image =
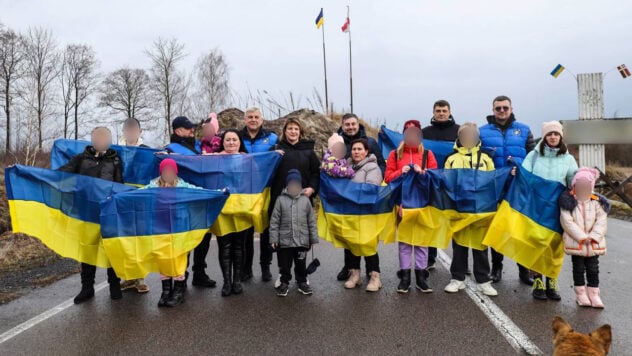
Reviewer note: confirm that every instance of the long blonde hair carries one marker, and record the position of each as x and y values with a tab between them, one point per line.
163	184
400	149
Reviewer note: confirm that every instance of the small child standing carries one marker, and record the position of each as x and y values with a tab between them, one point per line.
334	162
583	216
292	233
211	140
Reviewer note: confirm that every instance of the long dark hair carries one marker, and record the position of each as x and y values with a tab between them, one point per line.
562	148
242	147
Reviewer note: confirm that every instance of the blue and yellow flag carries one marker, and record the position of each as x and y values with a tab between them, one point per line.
356	215
60	209
248	177
320	19
526	227
388	140
557	70
139	165
449	204
152	230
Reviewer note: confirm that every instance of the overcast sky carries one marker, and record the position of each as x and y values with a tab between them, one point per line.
406	54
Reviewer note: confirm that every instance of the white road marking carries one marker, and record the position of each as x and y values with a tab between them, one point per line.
507	328
17	330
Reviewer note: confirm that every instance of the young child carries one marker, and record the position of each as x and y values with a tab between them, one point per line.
293	232
100	161
411	156
173	288
583	216
334	162
468	155
211	141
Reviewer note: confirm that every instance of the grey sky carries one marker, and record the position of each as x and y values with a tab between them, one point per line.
406	53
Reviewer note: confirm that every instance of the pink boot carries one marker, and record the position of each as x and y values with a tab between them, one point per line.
581	297
595	299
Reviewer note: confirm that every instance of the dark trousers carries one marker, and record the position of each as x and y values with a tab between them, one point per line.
459	263
286	256
88	273
497	262
586	265
432	255
265	253
372	263
199	254
230	255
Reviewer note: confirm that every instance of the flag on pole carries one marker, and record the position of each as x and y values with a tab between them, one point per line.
624	71
347	24
558	70
319	19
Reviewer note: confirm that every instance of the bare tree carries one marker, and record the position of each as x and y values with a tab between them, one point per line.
41	69
167	82
11	69
79	67
126	91
212	73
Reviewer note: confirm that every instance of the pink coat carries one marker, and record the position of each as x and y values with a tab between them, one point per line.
584	224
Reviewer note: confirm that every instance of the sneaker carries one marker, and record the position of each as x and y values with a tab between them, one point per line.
539	290
305	288
553	289
277	283
431	266
282	290
454	286
487	289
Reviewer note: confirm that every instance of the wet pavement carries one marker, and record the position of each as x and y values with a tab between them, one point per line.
332	321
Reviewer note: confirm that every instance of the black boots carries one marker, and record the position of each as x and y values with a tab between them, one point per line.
201	279
404	281
167	288
421	278
497	273
238	263
231	259
525	275
172	293
266	276
552	289
87	292
343	274
223	242
87	284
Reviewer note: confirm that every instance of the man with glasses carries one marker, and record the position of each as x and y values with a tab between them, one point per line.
257	139
506	139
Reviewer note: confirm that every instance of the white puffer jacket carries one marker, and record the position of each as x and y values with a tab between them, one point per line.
585	224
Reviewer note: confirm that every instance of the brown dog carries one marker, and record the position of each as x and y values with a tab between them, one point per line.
568	342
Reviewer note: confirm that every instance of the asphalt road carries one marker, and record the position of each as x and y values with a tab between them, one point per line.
332	321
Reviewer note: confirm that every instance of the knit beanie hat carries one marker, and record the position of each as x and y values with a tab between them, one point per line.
334	139
412	123
293	175
586	174
552	126
168	163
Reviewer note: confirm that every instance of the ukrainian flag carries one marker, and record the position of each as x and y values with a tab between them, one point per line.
449	204
320	19
557	70
388	140
152	230
60	209
526	227
356	215
139	166
248	178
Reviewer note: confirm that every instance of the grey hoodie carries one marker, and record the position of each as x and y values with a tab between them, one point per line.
293	223
367	171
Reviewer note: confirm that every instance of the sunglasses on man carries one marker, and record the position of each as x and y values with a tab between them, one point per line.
502	108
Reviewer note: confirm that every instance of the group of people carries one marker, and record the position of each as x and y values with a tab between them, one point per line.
351	154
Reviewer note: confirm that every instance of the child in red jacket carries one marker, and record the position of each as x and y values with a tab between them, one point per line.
411	155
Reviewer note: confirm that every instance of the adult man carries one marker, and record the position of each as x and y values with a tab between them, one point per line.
131	133
183	142
350	130
257	139
506	139
442	128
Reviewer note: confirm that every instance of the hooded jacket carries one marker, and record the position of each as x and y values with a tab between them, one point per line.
299	156
292	223
441	130
584	223
410	156
367	171
514	139
184	145
374	148
551	166
107	166
264	141
464	157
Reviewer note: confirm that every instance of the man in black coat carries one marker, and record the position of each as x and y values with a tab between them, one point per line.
351	129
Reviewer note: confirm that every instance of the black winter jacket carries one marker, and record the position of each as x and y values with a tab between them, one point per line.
107	166
300	156
441	130
373	146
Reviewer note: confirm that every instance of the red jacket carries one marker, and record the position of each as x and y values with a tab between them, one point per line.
411	155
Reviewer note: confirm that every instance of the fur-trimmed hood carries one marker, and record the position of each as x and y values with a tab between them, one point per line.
568	202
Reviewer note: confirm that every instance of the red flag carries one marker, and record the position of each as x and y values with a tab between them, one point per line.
347	24
624	71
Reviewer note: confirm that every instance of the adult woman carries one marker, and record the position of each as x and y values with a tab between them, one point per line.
550	160
366	171
231	246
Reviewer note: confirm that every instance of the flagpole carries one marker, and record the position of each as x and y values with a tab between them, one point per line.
325	69
350	61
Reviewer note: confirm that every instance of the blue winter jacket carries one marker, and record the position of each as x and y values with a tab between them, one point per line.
513	140
184	146
263	142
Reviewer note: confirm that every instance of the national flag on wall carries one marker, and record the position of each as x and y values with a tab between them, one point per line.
624	71
347	25
320	19
557	70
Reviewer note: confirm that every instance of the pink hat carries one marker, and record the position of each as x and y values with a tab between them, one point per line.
212	120
168	163
412	123
334	139
586	174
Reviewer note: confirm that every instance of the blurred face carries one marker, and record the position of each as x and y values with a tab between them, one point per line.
468	138
292	132
231	142
412	137
502	110
351	126
208	131
583	190
184	132
553	139
358	152
131	134
294	188
101	140
168	175
253	121
441	113
339	150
